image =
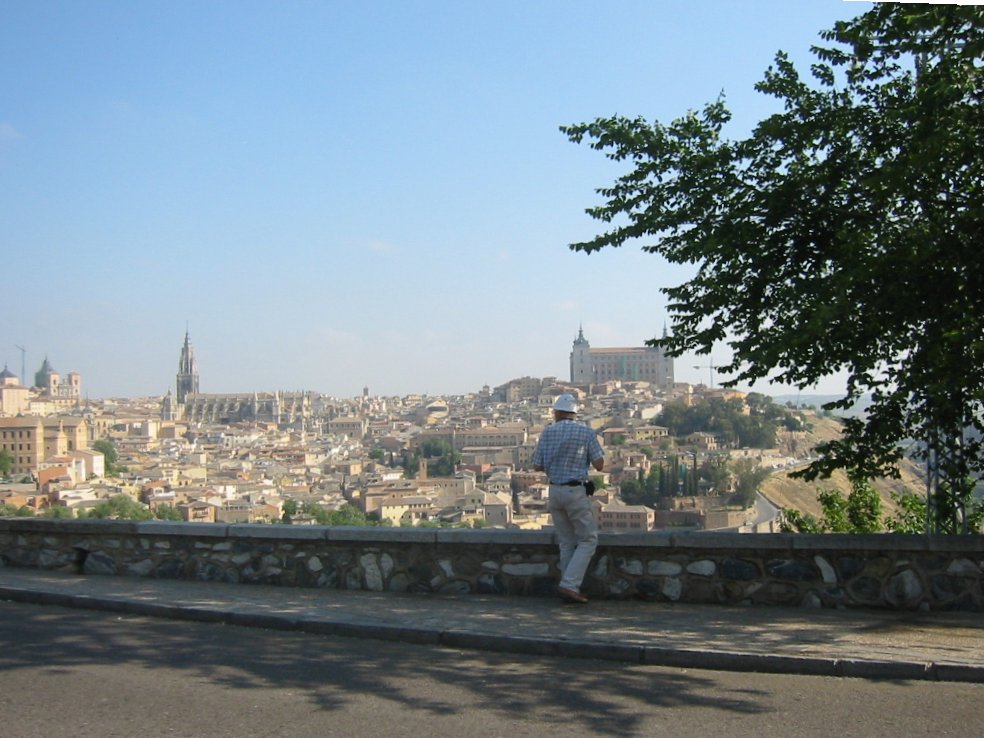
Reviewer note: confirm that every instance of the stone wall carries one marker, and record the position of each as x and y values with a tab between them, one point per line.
882	571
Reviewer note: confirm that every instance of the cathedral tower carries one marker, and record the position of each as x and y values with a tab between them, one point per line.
187	380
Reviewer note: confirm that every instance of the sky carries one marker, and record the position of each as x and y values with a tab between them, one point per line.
332	195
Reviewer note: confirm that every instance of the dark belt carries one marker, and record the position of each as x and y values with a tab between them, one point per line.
572	483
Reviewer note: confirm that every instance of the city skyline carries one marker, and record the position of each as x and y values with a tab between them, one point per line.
328	198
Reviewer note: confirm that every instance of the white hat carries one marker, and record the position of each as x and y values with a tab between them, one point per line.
565	404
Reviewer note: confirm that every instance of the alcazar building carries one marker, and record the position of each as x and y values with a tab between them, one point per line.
642	364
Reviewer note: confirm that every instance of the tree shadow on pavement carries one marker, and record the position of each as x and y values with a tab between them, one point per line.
332	673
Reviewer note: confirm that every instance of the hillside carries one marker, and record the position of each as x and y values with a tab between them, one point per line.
800	495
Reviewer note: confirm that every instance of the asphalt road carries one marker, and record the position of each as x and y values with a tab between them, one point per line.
85	673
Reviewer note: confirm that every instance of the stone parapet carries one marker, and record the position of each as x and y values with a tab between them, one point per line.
873	571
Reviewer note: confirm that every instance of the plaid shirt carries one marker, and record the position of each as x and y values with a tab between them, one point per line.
566	450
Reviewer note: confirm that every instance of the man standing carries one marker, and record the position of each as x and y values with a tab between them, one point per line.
566	451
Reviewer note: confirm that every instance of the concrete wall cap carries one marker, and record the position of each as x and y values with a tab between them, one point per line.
854	542
187	530
500	536
279	532
967	544
726	541
655	539
88	527
372	535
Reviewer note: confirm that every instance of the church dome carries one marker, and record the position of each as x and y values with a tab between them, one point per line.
42	374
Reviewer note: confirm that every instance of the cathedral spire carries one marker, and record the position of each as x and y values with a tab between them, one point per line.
187	379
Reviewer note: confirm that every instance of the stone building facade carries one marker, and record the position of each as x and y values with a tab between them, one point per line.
32	439
638	364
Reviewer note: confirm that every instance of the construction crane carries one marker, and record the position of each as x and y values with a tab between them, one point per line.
708	366
23	364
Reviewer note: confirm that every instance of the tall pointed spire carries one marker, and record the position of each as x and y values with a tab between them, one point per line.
187	379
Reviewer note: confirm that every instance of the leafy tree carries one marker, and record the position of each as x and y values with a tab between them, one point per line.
911	517
656	485
748	479
58	511
859	512
954	509
669	478
691	481
434	447
168	512
108	449
632	492
375	519
728	419
6	462
794	521
865	512
320	514
442	458
410	462
677	478
834	507
663	486
377	454
10	511
348	515
717	473
842	235
794	423
120	507
443	466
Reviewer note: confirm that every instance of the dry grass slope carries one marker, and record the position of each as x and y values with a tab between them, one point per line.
800	495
